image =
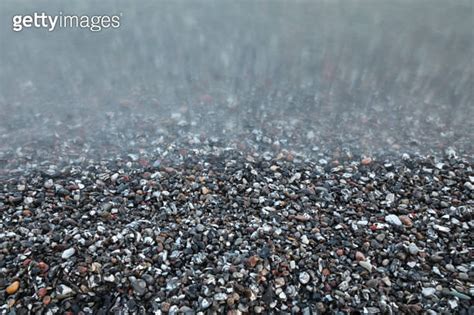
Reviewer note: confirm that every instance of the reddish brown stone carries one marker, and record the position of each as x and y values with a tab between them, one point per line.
359	256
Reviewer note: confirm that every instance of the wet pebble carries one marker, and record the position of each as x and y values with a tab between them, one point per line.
68	253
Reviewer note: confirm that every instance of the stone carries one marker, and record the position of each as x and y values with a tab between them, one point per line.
68	253
366	265
413	249
428	291
359	256
13	287
393	219
304	277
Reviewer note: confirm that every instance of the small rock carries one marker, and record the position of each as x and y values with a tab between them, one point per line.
302	218
463	276
460	295
47	300
380	237
440	228
165	307
68	253
200	228
359	256
205	303
413	249
304	277
436	258
12	288
406	220
372	283
253	260
366	265
469	186
63	291
428	291
366	161
138	285
114	177
48	184
386	281
343	286
220	297
390	198
43	266
282	296
453	304
42	292
411	264
393	219
279	282
304	240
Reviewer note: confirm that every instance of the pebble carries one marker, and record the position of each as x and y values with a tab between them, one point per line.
280	282
440	228
372	283
343	286
42	292
406	220
386	281
138	285
366	161
366	265
13	287
220	297
411	264
46	300
463	276
282	296
428	291
48	184
68	253
469	185
205	304
304	240
304	277
393	219
460	295
63	291
413	249
359	256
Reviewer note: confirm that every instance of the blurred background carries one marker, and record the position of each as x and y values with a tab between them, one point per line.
322	63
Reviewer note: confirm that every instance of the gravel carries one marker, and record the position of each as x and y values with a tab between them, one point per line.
218	229
180	215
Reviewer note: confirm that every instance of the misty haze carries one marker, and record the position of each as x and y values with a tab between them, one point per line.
237	157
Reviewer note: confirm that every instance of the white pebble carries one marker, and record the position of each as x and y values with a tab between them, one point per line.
393	219
68	253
